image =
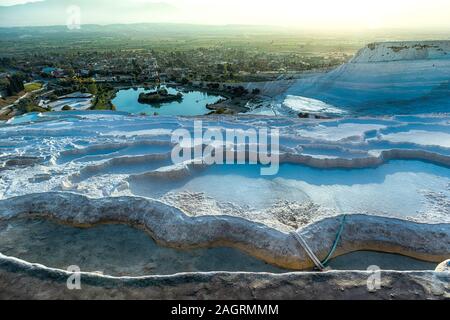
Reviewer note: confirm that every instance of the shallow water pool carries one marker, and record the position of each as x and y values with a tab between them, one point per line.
193	103
117	250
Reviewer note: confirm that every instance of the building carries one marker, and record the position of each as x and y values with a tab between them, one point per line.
53	72
84	73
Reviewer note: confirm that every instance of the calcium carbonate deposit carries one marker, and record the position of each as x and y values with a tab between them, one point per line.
364	157
328	167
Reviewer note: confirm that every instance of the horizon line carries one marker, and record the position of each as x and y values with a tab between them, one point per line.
284	27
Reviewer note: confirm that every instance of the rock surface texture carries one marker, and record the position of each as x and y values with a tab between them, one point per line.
171	227
20	280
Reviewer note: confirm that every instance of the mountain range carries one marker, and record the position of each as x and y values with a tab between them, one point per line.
55	12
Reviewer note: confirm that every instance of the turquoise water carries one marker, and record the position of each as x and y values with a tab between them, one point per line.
193	103
29	117
398	188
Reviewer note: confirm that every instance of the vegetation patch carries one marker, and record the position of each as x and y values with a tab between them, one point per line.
28	105
104	94
159	96
32	86
397	49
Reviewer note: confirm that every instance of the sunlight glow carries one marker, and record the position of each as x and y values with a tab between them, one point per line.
322	14
317	14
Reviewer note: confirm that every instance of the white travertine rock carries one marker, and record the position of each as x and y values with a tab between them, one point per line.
444	266
169	226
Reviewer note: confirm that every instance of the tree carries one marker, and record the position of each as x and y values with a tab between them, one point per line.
15	84
28	105
92	89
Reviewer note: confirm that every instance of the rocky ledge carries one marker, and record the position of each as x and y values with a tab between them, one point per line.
171	227
21	280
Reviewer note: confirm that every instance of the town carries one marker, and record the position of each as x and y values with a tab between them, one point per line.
64	74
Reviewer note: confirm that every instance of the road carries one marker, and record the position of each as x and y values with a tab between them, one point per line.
8	108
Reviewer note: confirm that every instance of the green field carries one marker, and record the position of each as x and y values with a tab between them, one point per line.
33	86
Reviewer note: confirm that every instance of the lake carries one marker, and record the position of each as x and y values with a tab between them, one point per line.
193	103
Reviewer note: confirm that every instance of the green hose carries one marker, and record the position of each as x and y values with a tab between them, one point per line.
336	242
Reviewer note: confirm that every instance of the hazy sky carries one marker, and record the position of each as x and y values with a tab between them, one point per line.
313	14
